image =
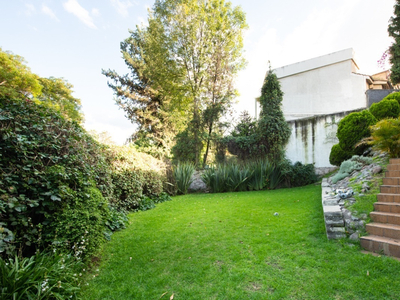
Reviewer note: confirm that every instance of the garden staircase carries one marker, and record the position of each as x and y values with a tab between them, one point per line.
384	231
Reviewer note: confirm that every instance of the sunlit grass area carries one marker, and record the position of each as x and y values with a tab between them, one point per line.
249	245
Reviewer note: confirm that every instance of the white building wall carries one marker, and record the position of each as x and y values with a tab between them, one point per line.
317	94
322	85
312	139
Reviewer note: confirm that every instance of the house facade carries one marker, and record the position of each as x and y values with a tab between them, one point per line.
318	93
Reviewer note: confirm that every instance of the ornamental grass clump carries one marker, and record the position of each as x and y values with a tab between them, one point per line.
183	173
45	275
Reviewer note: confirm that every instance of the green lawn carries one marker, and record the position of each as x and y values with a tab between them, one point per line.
232	246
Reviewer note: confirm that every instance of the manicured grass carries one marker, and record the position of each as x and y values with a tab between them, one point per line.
232	246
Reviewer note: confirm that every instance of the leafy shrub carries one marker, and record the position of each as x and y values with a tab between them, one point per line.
42	276
349	166
393	96
49	167
183	173
298	174
117	219
385	109
353	128
79	225
338	155
385	136
128	189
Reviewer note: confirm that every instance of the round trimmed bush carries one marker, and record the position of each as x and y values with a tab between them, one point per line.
353	128
338	155
393	96
388	108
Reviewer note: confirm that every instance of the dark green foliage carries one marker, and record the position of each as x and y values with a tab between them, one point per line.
187	144
338	155
132	186
393	96
273	131
394	49
43	276
79	225
50	171
267	137
258	175
298	174
385	109
117	219
242	140
353	128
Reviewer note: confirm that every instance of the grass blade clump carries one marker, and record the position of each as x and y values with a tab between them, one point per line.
237	177
183	173
42	276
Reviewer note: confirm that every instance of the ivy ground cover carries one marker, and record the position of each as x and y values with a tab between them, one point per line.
248	245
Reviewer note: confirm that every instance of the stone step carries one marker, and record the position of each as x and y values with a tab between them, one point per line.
387	207
385	217
393	167
392	174
387	230
390	189
391	181
394	161
379	244
388	198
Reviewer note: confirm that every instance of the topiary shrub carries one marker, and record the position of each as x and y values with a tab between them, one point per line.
338	155
385	109
393	96
353	128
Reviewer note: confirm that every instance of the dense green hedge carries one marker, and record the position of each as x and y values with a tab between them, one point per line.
388	108
54	181
60	188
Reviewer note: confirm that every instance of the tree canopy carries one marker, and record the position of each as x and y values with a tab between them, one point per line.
182	67
18	82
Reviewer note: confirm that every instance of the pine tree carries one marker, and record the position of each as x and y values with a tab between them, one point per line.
394	49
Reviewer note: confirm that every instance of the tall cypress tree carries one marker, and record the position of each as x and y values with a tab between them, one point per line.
394	49
273	131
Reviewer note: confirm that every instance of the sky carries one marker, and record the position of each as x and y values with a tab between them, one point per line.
76	39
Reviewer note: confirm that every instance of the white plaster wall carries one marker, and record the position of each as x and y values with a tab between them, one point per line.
324	90
312	139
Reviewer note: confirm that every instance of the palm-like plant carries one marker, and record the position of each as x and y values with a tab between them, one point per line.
385	136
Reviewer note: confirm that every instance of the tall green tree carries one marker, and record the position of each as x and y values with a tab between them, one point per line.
182	67
273	130
394	49
267	137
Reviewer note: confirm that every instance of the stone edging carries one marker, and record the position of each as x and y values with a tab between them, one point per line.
333	215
